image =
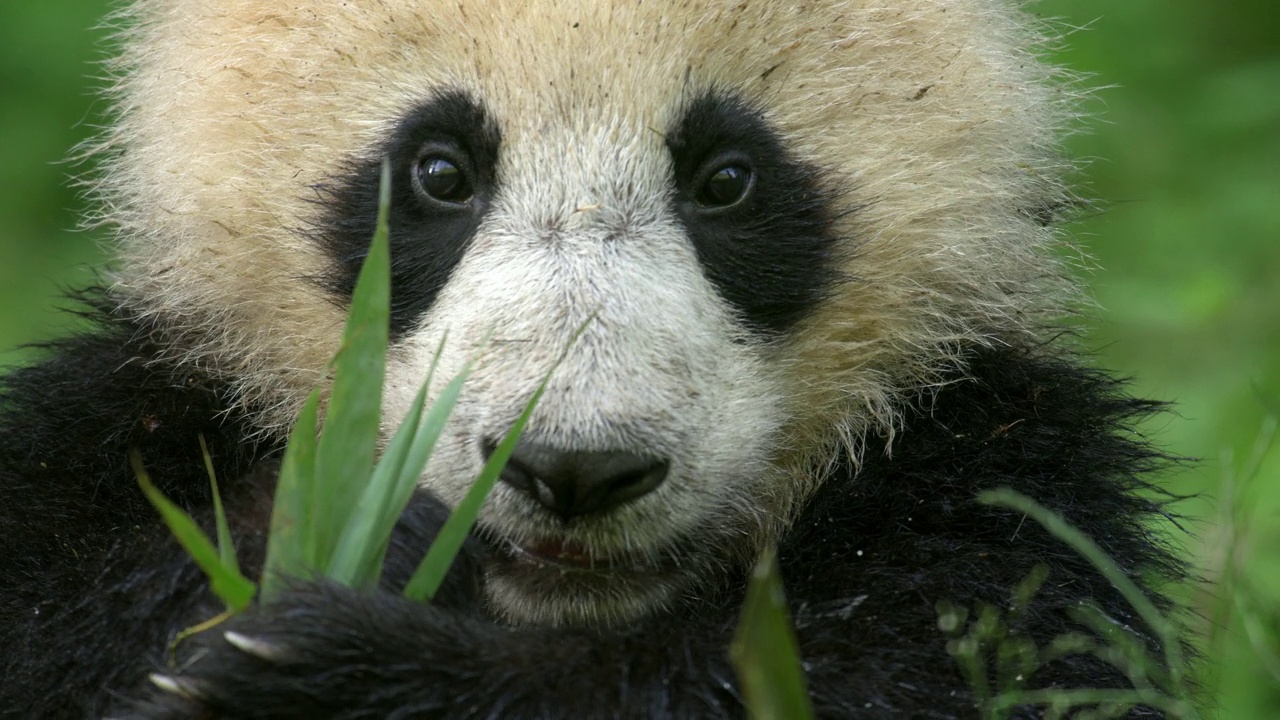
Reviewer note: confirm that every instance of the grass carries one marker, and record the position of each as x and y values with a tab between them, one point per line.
997	661
765	652
1242	603
1244	624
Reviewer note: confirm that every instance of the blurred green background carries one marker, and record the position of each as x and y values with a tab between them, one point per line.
1185	146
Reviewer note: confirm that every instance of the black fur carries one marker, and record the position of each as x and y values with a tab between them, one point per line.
86	572
94	587
771	255
428	239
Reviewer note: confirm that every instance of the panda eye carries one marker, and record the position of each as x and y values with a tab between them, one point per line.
725	186
440	179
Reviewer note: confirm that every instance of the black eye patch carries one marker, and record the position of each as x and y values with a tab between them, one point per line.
443	154
759	219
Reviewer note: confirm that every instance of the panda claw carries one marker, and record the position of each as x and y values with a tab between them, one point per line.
176	686
257	647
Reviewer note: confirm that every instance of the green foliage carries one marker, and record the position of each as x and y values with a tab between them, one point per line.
287	552
226	546
345	452
1166	630
433	568
234	589
362	545
327	521
320	497
1244	609
431	571
765	653
997	661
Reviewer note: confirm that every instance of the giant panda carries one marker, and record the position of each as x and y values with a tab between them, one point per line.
828	306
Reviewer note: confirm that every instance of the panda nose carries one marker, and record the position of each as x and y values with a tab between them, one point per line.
573	483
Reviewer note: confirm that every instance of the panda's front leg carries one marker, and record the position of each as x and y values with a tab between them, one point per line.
325	651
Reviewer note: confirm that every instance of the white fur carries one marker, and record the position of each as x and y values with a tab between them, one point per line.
662	367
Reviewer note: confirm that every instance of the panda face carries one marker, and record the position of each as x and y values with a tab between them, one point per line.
685	254
781	219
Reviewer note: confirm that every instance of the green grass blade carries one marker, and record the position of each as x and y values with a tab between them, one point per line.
361	550
1083	544
1065	699
765	653
357	560
345	455
226	545
288	554
1123	649
227	583
428	433
431	571
424	442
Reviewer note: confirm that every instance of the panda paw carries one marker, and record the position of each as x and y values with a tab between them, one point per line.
212	684
323	651
206	689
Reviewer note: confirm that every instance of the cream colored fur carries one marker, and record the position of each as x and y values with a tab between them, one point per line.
930	116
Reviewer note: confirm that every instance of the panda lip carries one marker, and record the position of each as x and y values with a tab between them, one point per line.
565	554
561	552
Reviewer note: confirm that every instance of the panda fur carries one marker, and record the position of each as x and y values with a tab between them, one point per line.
836	363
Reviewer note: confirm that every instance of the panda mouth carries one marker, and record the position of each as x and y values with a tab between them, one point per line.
567	555
562	553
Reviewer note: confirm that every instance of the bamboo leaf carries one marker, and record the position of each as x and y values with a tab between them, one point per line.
357	558
227	583
429	431
363	546
226	545
765	653
431	571
288	554
345	455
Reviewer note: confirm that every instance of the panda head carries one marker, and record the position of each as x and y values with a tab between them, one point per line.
776	224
